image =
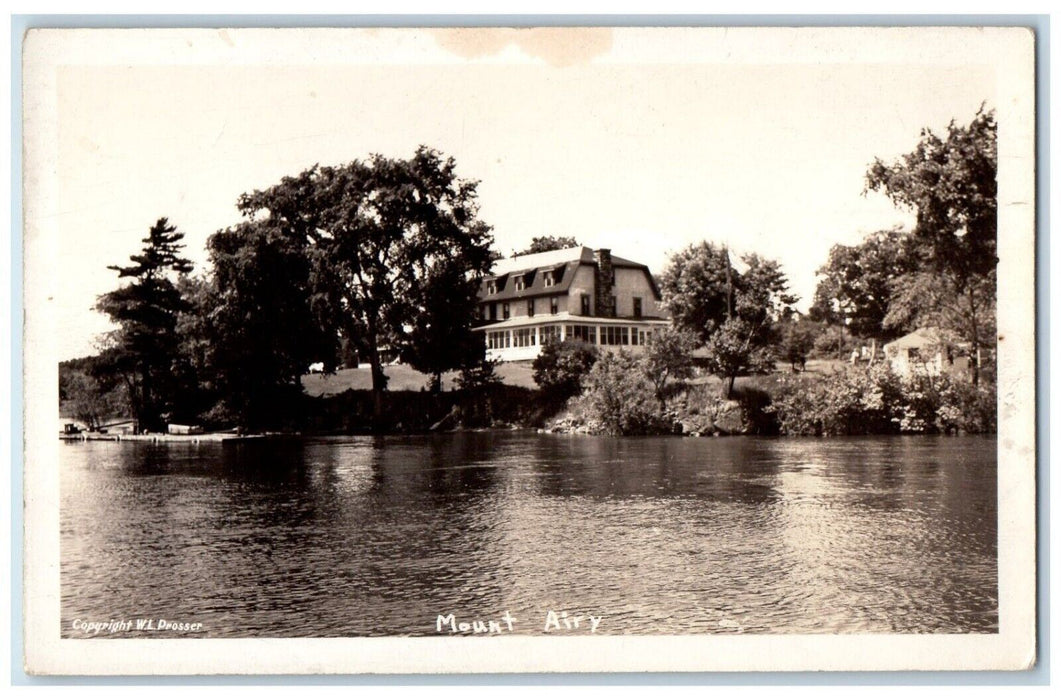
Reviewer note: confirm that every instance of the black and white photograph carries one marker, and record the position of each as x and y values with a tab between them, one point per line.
529	349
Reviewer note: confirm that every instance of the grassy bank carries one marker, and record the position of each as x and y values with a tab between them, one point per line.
405	378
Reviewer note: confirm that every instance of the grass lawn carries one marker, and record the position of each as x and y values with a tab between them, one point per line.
405	378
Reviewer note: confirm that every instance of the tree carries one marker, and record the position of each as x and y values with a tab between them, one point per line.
951	185
927	299
543	244
950	182
88	399
744	342
857	281
561	365
733	313
797	341
668	356
266	324
146	311
377	232
442	338
696	288
195	388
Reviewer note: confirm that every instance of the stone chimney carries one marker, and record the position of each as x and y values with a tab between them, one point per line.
604	283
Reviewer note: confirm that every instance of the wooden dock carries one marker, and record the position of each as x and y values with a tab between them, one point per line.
160	437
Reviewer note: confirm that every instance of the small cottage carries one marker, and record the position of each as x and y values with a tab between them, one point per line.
926	351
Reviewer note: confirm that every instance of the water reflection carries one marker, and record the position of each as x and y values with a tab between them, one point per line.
377	536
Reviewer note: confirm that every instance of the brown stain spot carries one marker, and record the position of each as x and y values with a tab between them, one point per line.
226	38
1001	338
557	46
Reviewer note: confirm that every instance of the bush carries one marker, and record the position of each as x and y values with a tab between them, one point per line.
561	365
827	340
618	400
857	401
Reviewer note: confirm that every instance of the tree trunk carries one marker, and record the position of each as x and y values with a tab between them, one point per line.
379	381
974	359
728	384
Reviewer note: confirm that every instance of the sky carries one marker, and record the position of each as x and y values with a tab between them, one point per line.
574	138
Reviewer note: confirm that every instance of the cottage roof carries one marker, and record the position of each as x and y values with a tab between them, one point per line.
922	337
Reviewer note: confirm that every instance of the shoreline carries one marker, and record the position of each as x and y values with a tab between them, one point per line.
227	438
204	437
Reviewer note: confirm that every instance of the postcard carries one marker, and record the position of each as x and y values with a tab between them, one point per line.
537	349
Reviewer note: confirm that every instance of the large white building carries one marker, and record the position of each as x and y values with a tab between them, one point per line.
578	293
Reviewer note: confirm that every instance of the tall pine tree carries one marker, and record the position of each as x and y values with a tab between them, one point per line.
146	311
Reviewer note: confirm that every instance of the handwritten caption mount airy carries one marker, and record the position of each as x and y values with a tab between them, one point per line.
553	621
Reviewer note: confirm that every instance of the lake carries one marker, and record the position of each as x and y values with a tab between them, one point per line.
369	536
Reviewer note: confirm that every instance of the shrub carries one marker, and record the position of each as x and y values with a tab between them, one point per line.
561	365
857	401
618	400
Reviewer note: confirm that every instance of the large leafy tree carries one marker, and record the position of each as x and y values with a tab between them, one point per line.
146	311
856	282
950	182
376	233
697	288
543	244
264	322
733	314
744	343
441	337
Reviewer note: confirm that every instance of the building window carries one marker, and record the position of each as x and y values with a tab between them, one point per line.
519	283
505	311
637	307
491	287
524	337
614	306
633	336
493	311
554	305
641	337
587	334
614	335
549	333
585	304
530	307
497	340
549	281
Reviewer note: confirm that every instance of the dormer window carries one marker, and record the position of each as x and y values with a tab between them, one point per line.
520	283
491	287
549	281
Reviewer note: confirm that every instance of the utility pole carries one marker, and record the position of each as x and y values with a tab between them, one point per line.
729	283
